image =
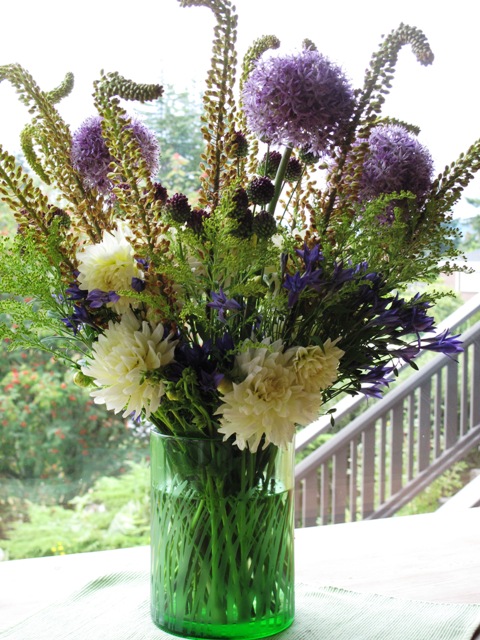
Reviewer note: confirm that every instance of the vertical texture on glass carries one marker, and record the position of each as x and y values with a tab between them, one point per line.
222	539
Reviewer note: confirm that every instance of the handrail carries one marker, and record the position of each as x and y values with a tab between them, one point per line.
395	448
349	404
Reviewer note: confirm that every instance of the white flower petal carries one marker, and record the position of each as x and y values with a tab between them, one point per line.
120	359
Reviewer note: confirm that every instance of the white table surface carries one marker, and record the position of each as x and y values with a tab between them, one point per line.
430	557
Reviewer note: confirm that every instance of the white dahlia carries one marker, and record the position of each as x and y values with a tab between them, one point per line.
267	402
120	359
316	368
109	265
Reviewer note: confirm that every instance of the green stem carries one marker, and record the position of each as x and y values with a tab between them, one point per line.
279	178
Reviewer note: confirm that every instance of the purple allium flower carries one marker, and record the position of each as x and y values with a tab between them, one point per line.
294	170
238	145
161	193
223	304
395	162
179	208
244	228
260	190
196	220
300	100
91	158
264	225
269	164
307	157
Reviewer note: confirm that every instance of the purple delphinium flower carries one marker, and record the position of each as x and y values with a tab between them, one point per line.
324	284
97	298
404	317
138	285
310	256
376	377
300	100
75	293
406	352
395	162
223	304
414	317
299	282
201	360
79	317
443	343
91	158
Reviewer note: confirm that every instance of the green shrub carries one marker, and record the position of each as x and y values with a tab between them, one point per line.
113	514
54	441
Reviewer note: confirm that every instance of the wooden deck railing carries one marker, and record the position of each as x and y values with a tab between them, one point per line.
399	445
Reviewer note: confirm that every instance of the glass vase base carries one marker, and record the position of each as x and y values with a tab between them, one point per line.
239	631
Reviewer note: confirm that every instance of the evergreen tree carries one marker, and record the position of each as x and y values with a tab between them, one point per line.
176	121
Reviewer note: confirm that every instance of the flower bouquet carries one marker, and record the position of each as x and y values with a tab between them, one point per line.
228	319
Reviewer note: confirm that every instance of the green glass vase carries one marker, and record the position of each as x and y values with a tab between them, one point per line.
222	538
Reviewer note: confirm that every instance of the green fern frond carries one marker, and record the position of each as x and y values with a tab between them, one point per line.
28	148
219	102
19	192
28	133
309	45
449	185
379	76
63	90
113	84
258	48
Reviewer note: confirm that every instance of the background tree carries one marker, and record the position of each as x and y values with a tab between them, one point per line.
176	121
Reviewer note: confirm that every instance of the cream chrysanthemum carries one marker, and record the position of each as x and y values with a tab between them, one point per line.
268	402
120	359
316	368
109	266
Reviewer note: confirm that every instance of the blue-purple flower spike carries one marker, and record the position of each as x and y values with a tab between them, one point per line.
444	343
223	304
97	298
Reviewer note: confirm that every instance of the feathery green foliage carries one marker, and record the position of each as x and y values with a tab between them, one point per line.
304	268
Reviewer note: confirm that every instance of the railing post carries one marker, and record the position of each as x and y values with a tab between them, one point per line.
368	470
475	385
451	405
424	424
339	486
396	448
310	499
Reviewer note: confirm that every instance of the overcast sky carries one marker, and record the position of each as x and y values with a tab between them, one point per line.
158	41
